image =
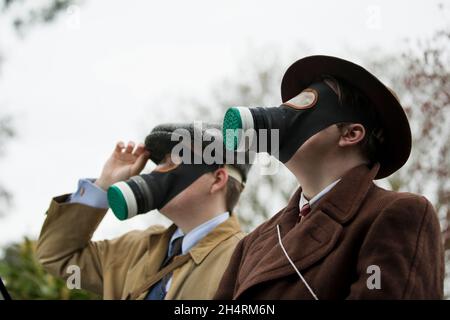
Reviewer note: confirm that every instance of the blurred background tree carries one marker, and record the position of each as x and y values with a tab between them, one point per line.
24	276
25	14
6	133
423	84
22	15
26	279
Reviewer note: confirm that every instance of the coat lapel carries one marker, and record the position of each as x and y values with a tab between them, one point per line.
305	244
219	234
308	242
157	250
150	263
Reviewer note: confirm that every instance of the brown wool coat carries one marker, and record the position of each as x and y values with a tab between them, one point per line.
125	267
354	226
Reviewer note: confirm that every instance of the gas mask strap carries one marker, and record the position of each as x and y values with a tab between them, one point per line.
293	265
234	173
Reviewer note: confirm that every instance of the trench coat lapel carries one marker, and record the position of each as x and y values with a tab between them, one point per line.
150	263
157	250
308	242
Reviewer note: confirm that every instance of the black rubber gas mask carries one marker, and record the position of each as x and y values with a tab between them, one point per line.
282	130
145	192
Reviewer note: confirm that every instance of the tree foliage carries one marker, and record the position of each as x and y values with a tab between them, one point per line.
23	15
27	13
26	279
6	133
421	77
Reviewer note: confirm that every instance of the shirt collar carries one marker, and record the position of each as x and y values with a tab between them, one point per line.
317	197
198	233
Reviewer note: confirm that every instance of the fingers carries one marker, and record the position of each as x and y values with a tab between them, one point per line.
119	147
142	156
131	149
140	149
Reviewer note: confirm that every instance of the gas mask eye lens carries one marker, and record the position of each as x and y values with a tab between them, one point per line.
305	100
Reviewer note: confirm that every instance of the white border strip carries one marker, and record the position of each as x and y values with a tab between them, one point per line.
247	123
130	199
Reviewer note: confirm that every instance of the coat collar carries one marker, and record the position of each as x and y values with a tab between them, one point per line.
315	237
343	201
219	234
160	240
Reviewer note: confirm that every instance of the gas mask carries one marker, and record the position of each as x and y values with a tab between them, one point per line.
293	123
145	192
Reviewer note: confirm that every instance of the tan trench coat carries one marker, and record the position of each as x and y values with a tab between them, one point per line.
122	268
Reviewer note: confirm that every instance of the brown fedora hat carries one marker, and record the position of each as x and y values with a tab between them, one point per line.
396	145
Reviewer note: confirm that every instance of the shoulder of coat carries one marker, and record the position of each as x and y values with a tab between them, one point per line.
394	198
231	242
239	236
155	229
404	203
140	235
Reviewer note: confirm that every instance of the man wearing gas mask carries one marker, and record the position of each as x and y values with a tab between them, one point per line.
184	261
340	236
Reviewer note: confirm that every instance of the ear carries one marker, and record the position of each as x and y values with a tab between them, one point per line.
351	134
220	177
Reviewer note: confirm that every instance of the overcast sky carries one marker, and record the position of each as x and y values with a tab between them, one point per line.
76	86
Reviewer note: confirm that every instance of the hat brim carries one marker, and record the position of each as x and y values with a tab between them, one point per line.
396	147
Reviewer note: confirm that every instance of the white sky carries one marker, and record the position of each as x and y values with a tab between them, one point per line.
75	89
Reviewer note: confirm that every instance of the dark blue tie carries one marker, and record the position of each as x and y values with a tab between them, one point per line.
158	290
